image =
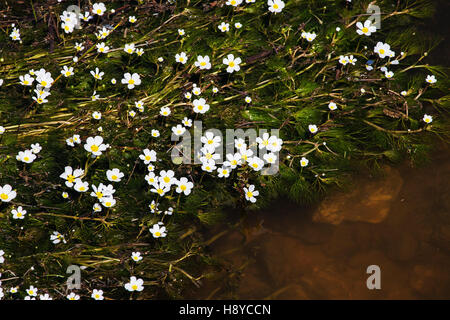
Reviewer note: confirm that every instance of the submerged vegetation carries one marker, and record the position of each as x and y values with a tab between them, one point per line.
87	111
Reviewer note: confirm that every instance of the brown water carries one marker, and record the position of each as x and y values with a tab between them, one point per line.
400	222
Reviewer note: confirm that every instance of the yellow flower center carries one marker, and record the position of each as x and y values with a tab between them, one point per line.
382	51
157	233
183	187
43	83
249	194
160	191
67	73
148	158
166	179
99	11
25	82
19	214
94	148
200	107
365	30
231	64
114	177
26	158
203	63
99	194
39	100
108	203
233	162
131	81
70	178
275	6
134	287
82	188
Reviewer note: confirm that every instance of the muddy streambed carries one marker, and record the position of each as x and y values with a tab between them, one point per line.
399	222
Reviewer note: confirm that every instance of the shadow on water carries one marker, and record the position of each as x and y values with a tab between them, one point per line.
400	222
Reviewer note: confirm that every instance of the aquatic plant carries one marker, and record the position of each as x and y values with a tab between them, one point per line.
90	100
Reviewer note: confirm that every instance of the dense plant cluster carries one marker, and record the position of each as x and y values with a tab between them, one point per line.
87	111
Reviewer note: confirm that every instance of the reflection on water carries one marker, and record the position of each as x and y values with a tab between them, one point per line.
400	222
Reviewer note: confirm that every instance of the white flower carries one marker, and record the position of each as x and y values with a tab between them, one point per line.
65	195
114	175
165	111
233	160
102	191
238	25
215	90
2	259
57	237
310	36
404	93
95	145
132	19
187	122
210	140
86	16
209	165
154	207
184	186
136	256
140	52
148	156
108	202
383	49
200	106
431	79
232	63
131	80
15	34
67	72
97	294
79	46
81	186
427	118
263	141
224	172
179	130
389	74
251	193
188	95
343	60
160	59
96	115
71	175
73	296
275	6
304	162
332	106
166	178
312	128
224	27
352	60
97	207
36	148
99	8
233	3
255	163
26	80
181	32
203	62
2	129
45	297
135	284
169	211
95	96
97	74
196	90
32	291
275	144
155	133
248	99
181	57
44	78
365	29
270	157
158	231
26	156
102	48
113	81
19	213
129	48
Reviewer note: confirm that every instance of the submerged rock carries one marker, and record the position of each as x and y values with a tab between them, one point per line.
371	202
